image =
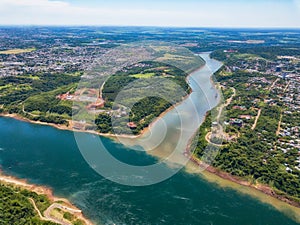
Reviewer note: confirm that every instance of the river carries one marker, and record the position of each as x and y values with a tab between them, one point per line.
47	156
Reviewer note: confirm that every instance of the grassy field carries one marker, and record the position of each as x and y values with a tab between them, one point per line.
143	75
16	51
175	57
31	77
249	56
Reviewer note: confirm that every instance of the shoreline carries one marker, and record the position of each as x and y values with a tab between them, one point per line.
113	136
67	128
265	189
259	192
41	190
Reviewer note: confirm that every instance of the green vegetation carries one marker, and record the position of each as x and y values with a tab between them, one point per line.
41	201
267	53
114	84
47	102
78	222
143	75
68	216
135	82
15	207
255	154
103	122
36	98
271	53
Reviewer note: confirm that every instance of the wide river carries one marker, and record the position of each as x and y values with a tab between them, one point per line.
47	156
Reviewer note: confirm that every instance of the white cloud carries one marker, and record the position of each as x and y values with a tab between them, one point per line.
45	12
34	3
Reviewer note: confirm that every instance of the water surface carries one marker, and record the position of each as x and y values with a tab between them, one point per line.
47	156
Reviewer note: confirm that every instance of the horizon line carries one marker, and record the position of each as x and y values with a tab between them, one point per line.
149	26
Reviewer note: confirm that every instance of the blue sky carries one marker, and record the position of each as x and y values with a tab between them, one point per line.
185	13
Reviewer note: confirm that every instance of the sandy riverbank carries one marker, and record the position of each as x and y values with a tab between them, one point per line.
42	190
260	187
113	136
211	174
63	127
262	192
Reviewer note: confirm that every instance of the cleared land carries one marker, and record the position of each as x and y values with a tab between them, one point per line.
16	51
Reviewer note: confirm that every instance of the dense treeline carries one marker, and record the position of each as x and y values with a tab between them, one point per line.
48	102
269	52
146	109
114	85
148	106
272	52
22	95
142	114
103	122
16	209
254	156
200	143
251	158
219	55
46	82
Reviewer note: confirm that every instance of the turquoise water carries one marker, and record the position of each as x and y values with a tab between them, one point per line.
48	156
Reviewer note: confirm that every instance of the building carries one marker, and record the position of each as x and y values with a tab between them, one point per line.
132	125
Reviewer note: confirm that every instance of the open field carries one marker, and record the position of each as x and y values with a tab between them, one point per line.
17	51
143	75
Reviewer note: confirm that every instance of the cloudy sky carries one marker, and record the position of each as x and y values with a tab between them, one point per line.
186	13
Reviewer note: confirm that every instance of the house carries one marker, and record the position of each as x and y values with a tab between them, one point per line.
243	108
215	124
132	125
65	96
247	117
236	122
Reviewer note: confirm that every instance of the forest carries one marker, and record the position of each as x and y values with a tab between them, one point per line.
35	98
16	209
135	82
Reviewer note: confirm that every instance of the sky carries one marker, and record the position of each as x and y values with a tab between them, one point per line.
178	13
